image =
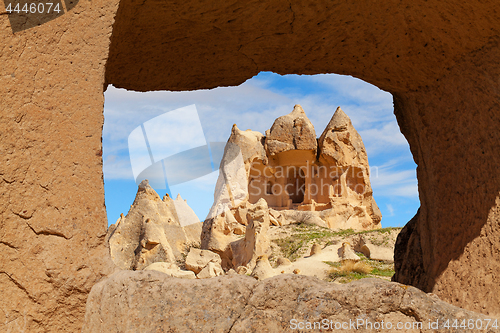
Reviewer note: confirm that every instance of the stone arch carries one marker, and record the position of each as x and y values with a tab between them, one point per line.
437	58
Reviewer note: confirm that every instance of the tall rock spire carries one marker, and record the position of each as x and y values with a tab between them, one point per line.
341	144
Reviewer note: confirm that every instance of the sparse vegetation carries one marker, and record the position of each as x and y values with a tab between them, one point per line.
350	271
295	241
383	272
304	234
360	267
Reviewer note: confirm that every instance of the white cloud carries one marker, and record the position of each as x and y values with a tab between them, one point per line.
117	167
394	179
254	105
390	209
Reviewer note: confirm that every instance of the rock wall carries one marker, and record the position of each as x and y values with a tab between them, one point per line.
438	58
453	246
52	214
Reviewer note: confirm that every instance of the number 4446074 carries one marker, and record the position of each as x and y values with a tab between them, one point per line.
471	324
34	8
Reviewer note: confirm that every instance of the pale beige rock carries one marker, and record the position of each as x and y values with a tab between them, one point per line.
250	144
212	269
198	259
315	265
240	215
193	234
262	269
283	261
297	216
347	253
274	221
239	230
376	252
231	188
255	243
171	270
242	270
153	246
292	131
214	238
240	304
150	232
341	145
185	214
315	249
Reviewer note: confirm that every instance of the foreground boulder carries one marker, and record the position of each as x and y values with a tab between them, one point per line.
149	301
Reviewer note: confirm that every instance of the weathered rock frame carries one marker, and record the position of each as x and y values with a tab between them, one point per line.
437	58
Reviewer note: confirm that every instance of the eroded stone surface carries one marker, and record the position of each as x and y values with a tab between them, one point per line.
151	232
52	214
238	303
197	259
290	132
271	180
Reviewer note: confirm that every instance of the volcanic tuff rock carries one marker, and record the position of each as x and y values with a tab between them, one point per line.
198	259
218	236
262	269
236	303
255	243
284	179
347	253
292	131
171	270
341	144
212	269
150	232
185	214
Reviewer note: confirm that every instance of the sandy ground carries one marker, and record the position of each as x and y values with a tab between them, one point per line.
381	245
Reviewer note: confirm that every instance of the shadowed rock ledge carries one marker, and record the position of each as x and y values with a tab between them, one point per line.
150	301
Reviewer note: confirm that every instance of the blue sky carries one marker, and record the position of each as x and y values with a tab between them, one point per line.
255	105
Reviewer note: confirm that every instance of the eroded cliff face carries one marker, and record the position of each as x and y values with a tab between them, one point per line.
437	58
52	213
453	244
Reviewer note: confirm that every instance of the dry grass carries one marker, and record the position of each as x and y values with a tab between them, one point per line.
360	267
349	271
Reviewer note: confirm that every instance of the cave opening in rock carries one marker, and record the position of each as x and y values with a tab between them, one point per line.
254	105
295	186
